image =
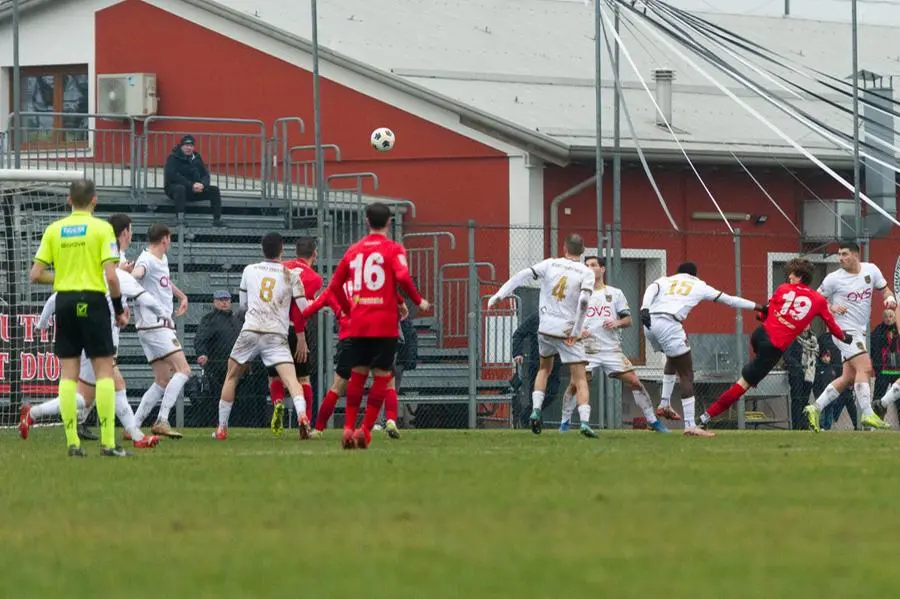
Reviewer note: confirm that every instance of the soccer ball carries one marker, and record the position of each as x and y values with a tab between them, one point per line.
383	139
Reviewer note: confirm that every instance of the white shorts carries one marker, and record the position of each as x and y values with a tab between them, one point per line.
86	371
666	335
856	347
568	354
271	347
159	343
612	362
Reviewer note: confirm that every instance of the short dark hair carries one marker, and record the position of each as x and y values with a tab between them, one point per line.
800	268
574	244
378	215
120	222
272	245
848	245
600	261
157	232
687	268
81	193
306	247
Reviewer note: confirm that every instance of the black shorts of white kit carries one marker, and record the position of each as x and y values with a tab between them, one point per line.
302	369
83	323
375	353
765	359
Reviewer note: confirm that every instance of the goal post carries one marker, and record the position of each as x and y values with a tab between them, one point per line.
29	371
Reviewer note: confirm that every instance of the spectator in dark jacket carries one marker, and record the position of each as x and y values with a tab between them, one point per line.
800	363
186	179
216	334
828	368
407	351
525	351
885	357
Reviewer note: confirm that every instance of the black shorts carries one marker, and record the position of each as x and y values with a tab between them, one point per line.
767	356
375	353
83	323
302	370
342	365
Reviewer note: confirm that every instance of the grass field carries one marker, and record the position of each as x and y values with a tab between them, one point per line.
454	514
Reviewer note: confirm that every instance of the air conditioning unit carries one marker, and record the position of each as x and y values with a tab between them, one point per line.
828	220
127	94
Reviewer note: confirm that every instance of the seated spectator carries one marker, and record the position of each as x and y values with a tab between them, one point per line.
186	179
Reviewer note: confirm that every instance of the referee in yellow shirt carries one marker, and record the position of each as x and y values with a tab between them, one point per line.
83	253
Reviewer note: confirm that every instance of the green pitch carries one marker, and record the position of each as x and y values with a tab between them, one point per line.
454	515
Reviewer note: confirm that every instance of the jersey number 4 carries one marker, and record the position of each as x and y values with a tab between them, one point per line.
266	289
371	273
797	307
559	290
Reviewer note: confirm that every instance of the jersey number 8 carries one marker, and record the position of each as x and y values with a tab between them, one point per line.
266	289
371	273
559	290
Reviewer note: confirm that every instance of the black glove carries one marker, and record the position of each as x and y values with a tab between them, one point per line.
762	312
848	338
645	317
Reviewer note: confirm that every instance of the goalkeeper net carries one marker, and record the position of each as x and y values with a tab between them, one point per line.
29	371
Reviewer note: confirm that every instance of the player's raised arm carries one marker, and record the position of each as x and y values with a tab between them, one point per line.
404	280
738	303
336	285
532	273
317	304
47	313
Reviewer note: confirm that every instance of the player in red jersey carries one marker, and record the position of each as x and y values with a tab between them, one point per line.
342	367
375	266
307	252
789	311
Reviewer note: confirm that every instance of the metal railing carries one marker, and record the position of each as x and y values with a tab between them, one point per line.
453	298
424	264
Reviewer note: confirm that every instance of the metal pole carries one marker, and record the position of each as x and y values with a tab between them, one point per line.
856	174
474	304
179	403
738	324
617	169
787	8
17	88
598	59
317	126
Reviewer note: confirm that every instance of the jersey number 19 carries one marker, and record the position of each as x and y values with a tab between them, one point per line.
797	307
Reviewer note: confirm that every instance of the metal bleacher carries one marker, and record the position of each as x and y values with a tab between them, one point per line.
210	258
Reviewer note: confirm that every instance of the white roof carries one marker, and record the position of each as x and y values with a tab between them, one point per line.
531	62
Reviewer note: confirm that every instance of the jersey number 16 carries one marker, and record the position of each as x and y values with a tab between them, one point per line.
371	273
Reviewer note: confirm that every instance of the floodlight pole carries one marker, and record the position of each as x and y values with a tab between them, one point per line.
16	88
856	171
598	183
617	166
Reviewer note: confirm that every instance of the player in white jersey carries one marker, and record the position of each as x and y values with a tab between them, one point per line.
566	287
267	290
158	340
607	314
666	305
85	394
849	293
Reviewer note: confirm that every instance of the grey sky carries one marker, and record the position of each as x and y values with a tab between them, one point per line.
885	12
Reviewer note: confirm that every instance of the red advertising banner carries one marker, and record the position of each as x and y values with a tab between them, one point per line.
37	370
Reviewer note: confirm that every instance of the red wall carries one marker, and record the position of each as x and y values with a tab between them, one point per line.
449	177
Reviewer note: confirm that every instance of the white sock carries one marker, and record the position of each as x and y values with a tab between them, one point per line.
152	397
173	390
300	406
828	395
668	384
687	404
863	399
584	413
83	410
892	395
643	402
568	406
126	416
537	399
224	412
51	408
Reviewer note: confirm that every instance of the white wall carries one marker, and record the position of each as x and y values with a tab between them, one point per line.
57	33
526	210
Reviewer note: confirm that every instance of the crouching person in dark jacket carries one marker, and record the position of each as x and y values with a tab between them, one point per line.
186	179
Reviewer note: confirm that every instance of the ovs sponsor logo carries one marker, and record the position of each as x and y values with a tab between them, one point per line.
599	312
164	281
860	296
